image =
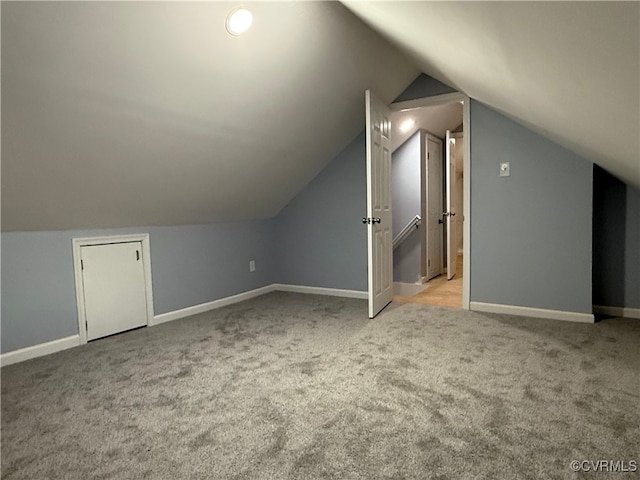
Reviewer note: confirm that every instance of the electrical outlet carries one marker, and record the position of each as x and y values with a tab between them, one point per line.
505	169
252	265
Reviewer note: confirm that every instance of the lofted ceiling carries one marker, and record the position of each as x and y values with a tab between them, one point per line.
568	70
119	114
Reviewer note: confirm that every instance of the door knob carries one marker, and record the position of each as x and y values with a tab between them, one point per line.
375	220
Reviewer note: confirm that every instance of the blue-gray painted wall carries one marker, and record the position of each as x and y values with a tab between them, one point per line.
531	238
406	195
190	265
616	242
424	86
530	232
321	240
632	249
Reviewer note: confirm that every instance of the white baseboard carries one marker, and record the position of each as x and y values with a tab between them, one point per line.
74	341
223	302
532	312
40	350
334	292
405	289
624	312
205	307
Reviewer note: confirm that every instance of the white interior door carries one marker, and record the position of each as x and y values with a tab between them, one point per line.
379	235
114	288
449	215
434	206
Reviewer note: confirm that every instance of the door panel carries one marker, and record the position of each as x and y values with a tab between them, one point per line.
379	235
434	207
114	288
450	184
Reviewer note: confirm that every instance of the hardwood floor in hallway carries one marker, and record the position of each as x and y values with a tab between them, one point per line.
440	291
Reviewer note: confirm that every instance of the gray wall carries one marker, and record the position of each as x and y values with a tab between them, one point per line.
616	242
321	240
424	86
406	200
530	232
190	265
531	238
632	249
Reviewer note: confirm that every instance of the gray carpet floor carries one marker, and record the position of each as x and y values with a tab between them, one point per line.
291	386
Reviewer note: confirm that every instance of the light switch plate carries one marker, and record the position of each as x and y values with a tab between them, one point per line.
505	169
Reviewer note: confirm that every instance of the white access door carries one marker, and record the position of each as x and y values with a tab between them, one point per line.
450	184
114	288
379	235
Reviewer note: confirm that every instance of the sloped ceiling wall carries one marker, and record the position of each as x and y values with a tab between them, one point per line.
568	70
120	114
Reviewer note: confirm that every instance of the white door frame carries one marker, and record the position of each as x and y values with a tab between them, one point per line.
78	243
466	180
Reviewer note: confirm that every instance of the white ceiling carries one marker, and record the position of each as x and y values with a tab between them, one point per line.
568	70
120	114
436	120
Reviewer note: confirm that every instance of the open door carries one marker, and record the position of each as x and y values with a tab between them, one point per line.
378	220
450	185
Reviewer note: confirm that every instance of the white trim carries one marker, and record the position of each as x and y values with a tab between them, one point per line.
40	350
532	312
624	312
240	297
76	340
205	307
334	292
428	101
78	243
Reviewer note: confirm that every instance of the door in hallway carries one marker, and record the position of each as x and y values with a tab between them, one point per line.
449	215
434	206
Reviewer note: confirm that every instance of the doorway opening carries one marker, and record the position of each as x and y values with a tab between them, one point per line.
429	206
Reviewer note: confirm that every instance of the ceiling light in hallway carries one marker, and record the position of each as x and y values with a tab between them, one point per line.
407	125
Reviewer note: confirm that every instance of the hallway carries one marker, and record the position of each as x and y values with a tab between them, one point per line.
440	291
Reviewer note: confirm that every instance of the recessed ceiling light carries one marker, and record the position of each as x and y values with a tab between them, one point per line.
407	125
238	21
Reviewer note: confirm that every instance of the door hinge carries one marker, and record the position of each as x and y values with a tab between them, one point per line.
428	263
81	264
428	155
138	255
